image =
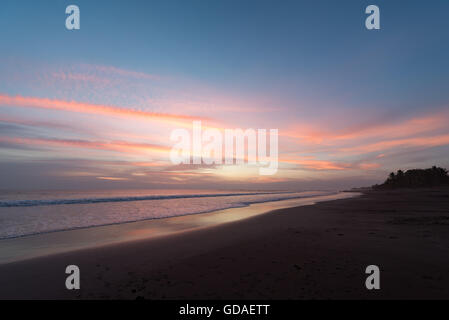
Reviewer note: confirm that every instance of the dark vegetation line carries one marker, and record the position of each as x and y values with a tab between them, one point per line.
416	178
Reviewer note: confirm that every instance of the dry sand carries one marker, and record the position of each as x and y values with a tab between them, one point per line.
312	252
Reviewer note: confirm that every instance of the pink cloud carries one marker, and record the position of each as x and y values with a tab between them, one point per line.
120	146
88	108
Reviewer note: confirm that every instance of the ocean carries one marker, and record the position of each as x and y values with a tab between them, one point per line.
36	212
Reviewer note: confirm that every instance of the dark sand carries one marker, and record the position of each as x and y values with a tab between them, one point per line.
312	252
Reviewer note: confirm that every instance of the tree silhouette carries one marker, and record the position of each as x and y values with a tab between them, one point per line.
416	178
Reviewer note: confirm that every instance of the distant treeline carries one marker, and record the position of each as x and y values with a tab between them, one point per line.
416	178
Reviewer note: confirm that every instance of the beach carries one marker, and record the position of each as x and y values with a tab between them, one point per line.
316	251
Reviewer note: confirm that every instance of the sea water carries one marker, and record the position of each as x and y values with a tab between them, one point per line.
32	212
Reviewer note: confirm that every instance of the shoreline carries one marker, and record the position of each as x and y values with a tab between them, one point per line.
309	252
42	244
169	217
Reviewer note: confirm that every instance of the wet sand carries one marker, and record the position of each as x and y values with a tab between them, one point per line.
311	252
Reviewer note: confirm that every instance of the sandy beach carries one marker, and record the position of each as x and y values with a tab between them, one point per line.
311	252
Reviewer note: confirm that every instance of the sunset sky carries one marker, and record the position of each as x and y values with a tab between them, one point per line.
94	108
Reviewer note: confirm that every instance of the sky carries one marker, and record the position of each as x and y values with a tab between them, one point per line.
95	107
